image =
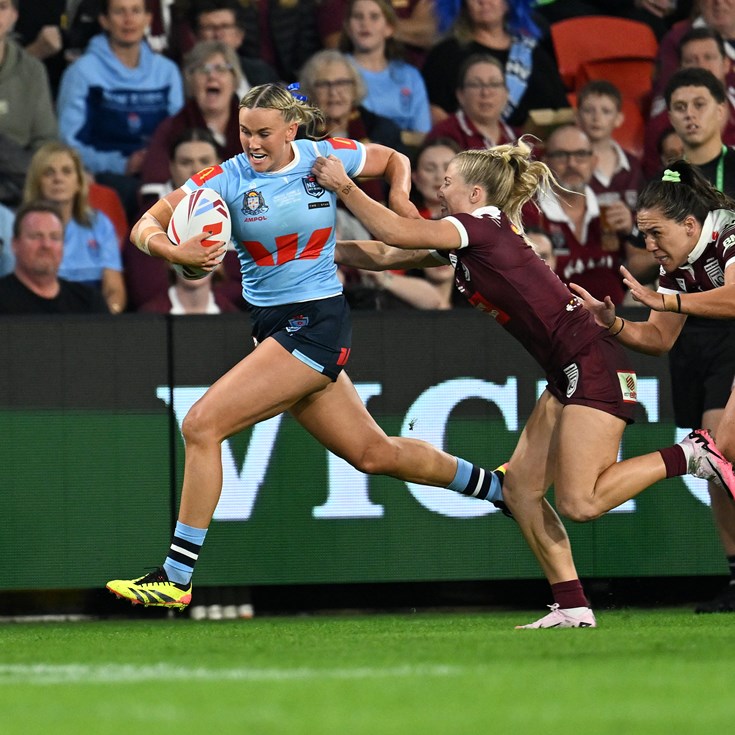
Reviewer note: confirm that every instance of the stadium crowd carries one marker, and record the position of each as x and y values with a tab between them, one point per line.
108	105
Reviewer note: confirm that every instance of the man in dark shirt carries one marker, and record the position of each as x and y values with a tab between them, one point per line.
34	287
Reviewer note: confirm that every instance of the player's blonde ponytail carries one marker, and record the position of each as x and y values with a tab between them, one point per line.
509	175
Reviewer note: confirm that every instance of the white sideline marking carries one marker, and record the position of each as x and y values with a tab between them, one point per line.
131	673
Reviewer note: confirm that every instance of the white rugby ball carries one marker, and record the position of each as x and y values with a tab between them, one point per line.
203	210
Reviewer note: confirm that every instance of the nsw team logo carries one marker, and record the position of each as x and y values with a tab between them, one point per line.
253	203
312	187
297	323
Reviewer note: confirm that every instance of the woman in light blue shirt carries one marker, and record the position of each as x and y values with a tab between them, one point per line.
91	245
395	88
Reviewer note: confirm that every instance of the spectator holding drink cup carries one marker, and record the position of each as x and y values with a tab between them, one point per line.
617	176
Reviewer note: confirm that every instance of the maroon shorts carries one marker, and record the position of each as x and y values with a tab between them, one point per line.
601	376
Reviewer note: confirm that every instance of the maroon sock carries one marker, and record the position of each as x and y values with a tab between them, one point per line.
675	461
569	594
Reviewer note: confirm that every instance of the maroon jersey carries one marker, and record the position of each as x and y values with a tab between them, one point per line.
713	253
499	273
626	181
461	129
582	261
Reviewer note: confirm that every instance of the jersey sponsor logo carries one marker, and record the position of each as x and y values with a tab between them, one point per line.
206	174
572	373
729	242
311	186
253	204
342	143
297	323
318	205
628	386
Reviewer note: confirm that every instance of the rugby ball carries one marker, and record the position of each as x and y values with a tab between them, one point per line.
203	210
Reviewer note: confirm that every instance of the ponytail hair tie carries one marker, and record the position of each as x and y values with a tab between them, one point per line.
293	89
673	176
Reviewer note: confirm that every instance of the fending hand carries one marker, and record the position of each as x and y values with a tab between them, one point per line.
330	173
640	293
602	311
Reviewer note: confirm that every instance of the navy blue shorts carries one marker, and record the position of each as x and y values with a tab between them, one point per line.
601	376
319	333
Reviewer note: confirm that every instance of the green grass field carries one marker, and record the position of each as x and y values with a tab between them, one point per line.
642	671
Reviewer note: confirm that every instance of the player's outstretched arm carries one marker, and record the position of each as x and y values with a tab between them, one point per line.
403	232
372	255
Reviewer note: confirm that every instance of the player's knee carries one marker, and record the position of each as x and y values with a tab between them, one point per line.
375	458
197	426
579	510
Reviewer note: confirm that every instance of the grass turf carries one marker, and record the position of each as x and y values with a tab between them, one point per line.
640	672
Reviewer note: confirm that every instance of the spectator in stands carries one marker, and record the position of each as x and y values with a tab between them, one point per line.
718	15
34	286
617	173
541	243
701	48
7	259
27	118
147	278
186	296
222	20
39	31
573	222
283	34
428	166
482	97
211	75
395	89
670	147
700	388
333	83
91	245
502	29
416	29
112	99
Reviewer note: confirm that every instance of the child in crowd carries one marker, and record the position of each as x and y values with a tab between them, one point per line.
599	114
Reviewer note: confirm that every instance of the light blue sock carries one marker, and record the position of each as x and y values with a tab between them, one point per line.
476	482
183	552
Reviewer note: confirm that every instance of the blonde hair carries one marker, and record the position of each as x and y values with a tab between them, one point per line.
81	211
277	97
509	175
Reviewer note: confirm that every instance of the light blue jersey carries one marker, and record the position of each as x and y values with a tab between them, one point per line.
283	222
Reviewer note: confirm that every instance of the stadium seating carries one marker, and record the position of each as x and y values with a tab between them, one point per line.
590	38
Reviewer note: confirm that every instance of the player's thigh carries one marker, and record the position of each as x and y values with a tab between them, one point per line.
587	444
532	464
265	383
338	419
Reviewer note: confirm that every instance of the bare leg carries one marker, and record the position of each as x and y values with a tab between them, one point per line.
529	474
338	419
589	481
265	383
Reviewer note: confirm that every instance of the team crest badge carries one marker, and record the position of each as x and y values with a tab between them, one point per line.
297	323
253	203
312	187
